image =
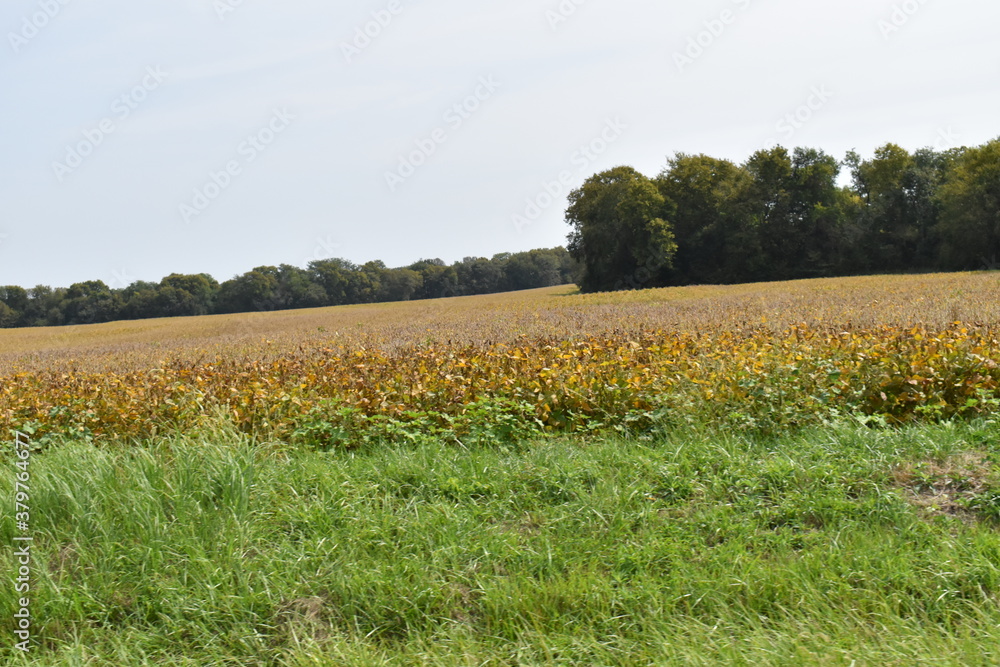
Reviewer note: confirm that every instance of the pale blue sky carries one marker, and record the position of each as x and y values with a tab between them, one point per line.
308	130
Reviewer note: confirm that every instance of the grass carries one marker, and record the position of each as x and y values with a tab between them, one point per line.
842	545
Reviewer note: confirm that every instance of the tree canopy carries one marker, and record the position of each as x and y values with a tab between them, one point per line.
619	232
782	214
327	282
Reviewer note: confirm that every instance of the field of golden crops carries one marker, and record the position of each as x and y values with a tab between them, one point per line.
898	348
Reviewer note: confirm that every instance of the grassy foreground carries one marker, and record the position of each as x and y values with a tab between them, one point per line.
842	545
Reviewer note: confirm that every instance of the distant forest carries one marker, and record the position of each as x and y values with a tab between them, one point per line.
328	282
780	215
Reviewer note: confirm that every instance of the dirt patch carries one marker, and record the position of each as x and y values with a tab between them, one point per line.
66	563
947	486
529	525
466	610
304	617
63	561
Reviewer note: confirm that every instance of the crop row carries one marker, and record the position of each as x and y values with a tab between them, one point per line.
752	379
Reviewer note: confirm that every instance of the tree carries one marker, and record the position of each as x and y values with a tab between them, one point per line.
970	209
768	209
928	172
9	317
367	282
889	235
296	289
15	302
620	235
706	192
253	291
140	300
530	270
188	294
400	285
91	302
45	307
569	269
437	279
899	212
789	223
815	215
478	275
334	276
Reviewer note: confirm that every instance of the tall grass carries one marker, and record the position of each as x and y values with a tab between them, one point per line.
687	548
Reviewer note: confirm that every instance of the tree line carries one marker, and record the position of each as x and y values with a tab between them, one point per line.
779	215
327	282
782	215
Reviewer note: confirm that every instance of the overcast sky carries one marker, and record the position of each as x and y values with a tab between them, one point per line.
145	138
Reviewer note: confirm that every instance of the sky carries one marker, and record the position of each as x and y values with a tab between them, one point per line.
141	139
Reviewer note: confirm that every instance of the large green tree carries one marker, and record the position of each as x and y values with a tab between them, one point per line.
13	305
188	294
478	275
438	280
970	209
708	220
255	290
91	302
46	306
899	211
815	226
620	235
400	285
889	235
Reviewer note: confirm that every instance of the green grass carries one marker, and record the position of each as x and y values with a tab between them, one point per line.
686	548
